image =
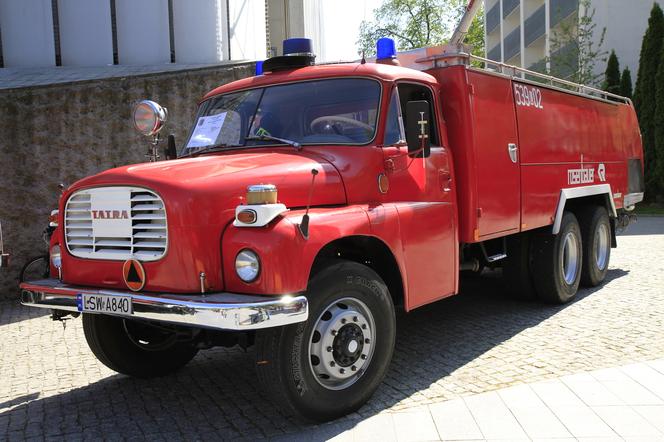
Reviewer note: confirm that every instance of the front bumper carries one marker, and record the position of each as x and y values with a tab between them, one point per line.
224	311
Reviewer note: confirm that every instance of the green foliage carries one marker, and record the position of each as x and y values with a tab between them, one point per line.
626	83
646	94
612	74
418	23
574	49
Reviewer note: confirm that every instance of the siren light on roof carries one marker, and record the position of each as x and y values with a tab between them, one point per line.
385	49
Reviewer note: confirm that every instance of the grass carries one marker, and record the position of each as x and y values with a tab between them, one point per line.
649	209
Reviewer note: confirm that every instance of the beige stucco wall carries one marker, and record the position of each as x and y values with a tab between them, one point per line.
61	133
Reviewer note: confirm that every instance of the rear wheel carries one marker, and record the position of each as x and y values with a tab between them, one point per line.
596	234
557	262
331	364
135	348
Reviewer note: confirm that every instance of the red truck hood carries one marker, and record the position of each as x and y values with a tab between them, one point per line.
205	190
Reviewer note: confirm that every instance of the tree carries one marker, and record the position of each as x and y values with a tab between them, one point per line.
612	74
418	23
626	83
645	95
574	51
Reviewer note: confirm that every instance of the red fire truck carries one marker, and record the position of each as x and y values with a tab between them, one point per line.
311	202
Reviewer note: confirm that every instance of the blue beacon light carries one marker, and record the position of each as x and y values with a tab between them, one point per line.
259	67
385	49
298	46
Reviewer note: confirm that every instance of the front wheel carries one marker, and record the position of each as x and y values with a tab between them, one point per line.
331	364
135	348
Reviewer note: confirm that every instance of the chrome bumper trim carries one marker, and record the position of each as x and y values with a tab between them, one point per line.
224	311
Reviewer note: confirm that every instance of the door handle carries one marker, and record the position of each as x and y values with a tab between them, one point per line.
512	150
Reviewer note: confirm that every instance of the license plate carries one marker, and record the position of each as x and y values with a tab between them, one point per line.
120	305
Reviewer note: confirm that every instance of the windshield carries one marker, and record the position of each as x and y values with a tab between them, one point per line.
333	111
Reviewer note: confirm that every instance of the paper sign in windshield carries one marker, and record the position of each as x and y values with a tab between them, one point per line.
207	130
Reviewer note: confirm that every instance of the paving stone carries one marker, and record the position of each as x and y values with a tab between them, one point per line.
474	343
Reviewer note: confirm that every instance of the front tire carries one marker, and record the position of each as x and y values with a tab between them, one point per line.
331	364
135	348
596	234
557	262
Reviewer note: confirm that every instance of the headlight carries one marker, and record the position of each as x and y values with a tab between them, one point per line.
247	265
149	117
56	257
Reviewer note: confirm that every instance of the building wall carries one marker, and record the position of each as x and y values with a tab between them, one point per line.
82	33
143	33
85	33
23	21
61	133
625	23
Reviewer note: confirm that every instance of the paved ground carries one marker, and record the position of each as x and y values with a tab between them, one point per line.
624	403
476	343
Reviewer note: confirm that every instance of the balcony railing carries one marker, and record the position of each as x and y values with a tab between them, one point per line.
535	26
512	43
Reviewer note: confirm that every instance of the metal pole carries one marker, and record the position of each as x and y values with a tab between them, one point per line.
465	22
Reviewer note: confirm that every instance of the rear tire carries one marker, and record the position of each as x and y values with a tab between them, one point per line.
134	348
331	364
557	261
596	234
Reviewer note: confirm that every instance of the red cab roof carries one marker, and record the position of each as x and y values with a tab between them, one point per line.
379	71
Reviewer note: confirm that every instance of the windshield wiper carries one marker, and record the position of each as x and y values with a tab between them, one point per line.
213	148
295	144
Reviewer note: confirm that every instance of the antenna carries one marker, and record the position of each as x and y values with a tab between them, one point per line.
304	225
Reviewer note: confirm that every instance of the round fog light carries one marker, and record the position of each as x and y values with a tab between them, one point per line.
247	265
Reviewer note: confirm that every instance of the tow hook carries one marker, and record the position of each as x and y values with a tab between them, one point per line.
61	315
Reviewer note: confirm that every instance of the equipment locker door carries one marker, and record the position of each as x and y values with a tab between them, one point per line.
497	155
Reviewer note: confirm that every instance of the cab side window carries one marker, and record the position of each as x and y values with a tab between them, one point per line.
394	132
415	92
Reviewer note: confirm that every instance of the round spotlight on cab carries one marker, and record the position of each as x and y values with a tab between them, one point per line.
149	117
247	265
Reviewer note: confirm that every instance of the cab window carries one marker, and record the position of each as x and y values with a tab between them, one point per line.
415	92
394	132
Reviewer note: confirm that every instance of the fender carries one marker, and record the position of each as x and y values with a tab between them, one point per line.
286	257
580	192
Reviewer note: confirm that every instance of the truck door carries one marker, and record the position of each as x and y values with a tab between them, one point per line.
420	190
497	155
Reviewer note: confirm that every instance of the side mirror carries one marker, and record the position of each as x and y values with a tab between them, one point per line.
418	123
171	150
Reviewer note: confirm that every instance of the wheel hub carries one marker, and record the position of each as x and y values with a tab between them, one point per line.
341	343
570	258
347	345
601	246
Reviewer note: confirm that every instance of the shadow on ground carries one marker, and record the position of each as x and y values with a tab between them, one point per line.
11	311
645	225
216	396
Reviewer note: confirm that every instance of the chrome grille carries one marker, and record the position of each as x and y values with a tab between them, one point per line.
134	226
